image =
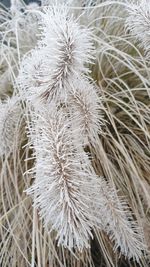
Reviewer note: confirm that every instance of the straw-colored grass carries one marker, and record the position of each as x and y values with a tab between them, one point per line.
122	154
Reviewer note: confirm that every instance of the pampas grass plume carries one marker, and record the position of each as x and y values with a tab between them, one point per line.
10	113
138	22
62	54
64	190
64	119
85	105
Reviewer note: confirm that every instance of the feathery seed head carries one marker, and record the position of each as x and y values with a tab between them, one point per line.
139	22
85	107
120	225
70	44
10	112
64	189
63	53
30	79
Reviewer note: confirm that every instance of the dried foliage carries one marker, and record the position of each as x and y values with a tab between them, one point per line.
75	134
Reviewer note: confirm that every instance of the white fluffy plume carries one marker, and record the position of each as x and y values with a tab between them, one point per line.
85	107
64	190
60	54
138	22
119	223
10	114
70	198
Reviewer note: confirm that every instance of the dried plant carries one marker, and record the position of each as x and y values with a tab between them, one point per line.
18	35
59	56
78	132
119	223
138	22
66	168
10	121
86	109
64	189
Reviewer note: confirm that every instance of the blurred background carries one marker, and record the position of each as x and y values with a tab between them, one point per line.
7	2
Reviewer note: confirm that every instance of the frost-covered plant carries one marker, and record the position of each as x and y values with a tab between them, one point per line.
85	107
119	223
64	190
120	155
18	35
60	55
138	22
70	197
56	71
10	119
